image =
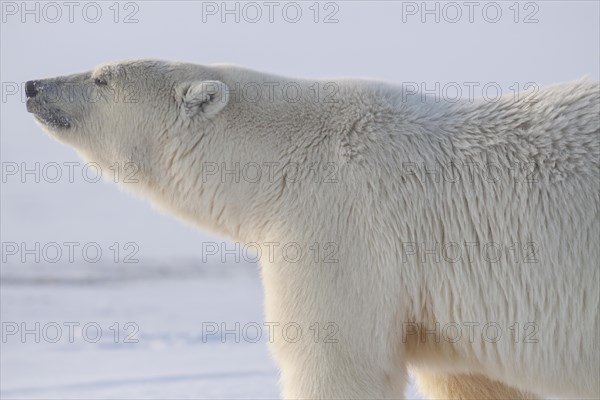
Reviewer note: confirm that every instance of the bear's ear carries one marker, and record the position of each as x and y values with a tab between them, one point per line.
205	98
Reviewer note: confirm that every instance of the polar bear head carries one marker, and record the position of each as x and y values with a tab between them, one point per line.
118	112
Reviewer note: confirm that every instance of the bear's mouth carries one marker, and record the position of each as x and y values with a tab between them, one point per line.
49	117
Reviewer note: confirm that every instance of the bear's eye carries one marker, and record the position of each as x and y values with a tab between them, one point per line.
100	82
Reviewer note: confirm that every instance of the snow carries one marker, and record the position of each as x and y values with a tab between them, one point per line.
170	358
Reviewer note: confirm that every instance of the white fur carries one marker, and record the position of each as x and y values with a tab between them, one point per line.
371	133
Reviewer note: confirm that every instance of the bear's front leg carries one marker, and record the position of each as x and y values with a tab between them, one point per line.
337	371
332	340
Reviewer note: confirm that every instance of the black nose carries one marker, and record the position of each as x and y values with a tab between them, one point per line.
30	88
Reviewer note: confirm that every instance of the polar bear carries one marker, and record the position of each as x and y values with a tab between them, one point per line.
455	239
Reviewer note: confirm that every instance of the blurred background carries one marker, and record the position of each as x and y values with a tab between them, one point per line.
102	296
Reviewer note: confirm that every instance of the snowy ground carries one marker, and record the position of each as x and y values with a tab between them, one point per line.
171	359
